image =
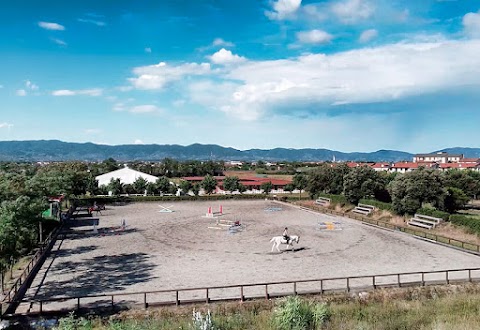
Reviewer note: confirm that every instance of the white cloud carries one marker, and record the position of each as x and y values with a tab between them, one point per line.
471	24
59	42
6	125
368	35
31	86
158	75
138	141
283	9
87	92
178	103
314	37
146	108
51	26
381	74
148	50
92	21
221	42
120	106
21	92
224	56
352	11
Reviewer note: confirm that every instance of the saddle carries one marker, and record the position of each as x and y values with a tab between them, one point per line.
287	239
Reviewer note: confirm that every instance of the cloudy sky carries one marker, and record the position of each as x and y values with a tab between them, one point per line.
348	75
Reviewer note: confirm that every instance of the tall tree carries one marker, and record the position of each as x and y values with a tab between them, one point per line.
362	182
300	182
266	187
230	183
209	184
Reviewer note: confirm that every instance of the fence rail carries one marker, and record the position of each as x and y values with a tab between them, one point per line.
467	246
24	277
248	291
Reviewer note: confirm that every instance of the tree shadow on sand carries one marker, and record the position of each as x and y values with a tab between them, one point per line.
98	275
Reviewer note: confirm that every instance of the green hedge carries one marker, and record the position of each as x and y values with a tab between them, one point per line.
128	199
378	204
472	223
434	213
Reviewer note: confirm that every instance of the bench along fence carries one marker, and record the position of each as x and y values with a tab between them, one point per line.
467	246
364	209
424	221
250	291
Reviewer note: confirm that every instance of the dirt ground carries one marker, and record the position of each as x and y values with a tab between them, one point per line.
176	250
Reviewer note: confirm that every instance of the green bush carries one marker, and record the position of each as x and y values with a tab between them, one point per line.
470	222
433	213
377	204
295	313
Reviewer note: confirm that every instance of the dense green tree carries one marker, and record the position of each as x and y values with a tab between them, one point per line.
289	187
115	186
300	182
411	190
230	183
163	185
362	182
209	184
196	189
241	188
455	199
140	185
266	187
185	186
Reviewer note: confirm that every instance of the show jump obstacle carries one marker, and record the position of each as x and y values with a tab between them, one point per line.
166	209
212	214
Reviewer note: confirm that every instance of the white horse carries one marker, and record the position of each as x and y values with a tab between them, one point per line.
277	240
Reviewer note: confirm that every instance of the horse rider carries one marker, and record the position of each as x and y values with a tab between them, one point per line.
285	235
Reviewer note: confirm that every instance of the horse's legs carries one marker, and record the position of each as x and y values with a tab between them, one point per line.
277	246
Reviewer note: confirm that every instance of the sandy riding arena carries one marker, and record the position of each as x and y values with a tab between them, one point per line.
182	249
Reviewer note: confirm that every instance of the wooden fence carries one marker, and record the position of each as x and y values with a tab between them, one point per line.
250	291
19	287
468	247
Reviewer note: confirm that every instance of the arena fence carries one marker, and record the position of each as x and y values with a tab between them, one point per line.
21	284
466	246
242	292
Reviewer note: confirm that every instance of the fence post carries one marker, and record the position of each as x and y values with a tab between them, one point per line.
41	307
446	277
470	275
398	279
207	299
373	280
348	284
295	288
321	286
145	300
177	302
242	298
112	301
266	291
423	279
78	303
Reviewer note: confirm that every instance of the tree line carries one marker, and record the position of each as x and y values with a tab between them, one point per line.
447	191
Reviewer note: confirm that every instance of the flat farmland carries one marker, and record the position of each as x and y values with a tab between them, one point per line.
158	250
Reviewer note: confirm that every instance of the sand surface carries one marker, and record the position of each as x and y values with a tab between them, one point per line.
177	250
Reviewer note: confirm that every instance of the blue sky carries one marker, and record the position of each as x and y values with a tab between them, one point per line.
348	75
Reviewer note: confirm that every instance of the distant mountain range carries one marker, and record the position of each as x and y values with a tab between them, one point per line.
54	150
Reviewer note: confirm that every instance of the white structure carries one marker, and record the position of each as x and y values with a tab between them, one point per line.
440	157
126	176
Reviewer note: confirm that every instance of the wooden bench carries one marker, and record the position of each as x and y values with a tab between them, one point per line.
364	209
424	221
323	201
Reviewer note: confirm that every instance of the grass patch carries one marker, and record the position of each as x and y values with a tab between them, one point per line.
438	307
